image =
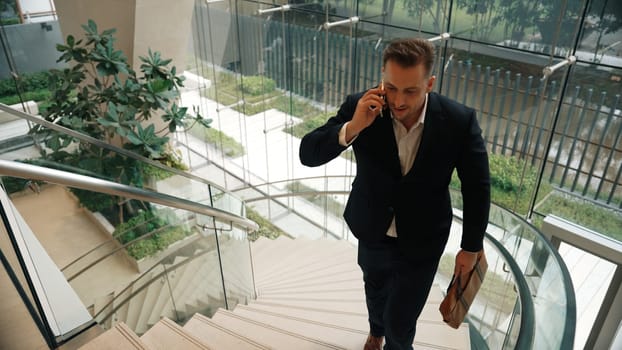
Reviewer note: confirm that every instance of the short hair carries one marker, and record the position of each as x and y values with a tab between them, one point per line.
410	52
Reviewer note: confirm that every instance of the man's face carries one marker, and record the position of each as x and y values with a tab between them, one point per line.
406	88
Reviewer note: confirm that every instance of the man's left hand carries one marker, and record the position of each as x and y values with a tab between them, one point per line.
465	261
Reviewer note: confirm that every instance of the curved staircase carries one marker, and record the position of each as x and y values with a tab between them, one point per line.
309	296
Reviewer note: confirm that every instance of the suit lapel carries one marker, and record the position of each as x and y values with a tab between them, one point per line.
388	141
431	133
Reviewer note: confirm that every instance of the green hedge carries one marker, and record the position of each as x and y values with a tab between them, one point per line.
505	183
145	223
266	228
584	213
229	146
37	96
26	82
257	85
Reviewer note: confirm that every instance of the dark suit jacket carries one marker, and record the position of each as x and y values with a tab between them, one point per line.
419	200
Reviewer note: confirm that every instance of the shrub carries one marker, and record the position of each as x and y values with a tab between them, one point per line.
37	96
257	85
505	183
584	213
25	83
266	228
309	124
228	145
145	222
161	224
141	249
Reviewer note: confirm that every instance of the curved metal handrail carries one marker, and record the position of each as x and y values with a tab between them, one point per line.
33	172
527	321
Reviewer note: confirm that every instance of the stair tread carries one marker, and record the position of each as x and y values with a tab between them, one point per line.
217	337
349	335
119	337
166	334
272	336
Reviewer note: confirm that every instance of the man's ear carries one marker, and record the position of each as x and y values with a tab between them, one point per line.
430	83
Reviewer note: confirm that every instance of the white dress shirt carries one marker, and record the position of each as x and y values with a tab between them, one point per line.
407	141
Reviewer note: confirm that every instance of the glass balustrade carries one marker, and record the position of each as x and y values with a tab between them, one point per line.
159	261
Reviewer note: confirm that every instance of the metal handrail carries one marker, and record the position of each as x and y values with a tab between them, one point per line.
526	333
33	172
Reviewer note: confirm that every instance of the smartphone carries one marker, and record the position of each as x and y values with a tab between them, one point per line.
371	108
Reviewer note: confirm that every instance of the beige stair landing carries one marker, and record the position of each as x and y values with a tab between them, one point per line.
310	296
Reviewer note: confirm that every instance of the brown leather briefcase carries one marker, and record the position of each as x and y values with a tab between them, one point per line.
460	295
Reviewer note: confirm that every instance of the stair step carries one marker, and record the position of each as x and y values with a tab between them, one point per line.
119	337
314	271
348	280
320	295
166	335
353	320
300	259
343	336
217	337
270	335
346	306
353	331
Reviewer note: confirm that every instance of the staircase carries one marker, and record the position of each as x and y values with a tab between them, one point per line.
309	296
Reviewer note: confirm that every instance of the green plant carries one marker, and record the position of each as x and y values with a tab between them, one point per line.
266	228
24	83
600	219
37	95
160	225
332	205
309	124
512	182
258	85
112	101
228	145
102	96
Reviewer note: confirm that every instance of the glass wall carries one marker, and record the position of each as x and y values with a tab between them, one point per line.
265	75
554	139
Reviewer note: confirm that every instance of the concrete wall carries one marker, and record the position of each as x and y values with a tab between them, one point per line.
159	25
118	14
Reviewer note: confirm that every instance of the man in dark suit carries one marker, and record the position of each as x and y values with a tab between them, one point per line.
407	141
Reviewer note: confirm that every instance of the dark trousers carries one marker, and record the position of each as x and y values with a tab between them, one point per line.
396	290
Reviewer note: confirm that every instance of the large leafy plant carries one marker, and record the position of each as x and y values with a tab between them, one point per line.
102	96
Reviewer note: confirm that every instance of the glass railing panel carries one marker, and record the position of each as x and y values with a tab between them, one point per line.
57	305
545	272
115	260
13	308
547	277
236	266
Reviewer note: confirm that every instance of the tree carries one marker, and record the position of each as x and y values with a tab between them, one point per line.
101	96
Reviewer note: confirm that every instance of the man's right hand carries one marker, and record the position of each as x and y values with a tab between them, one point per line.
364	114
